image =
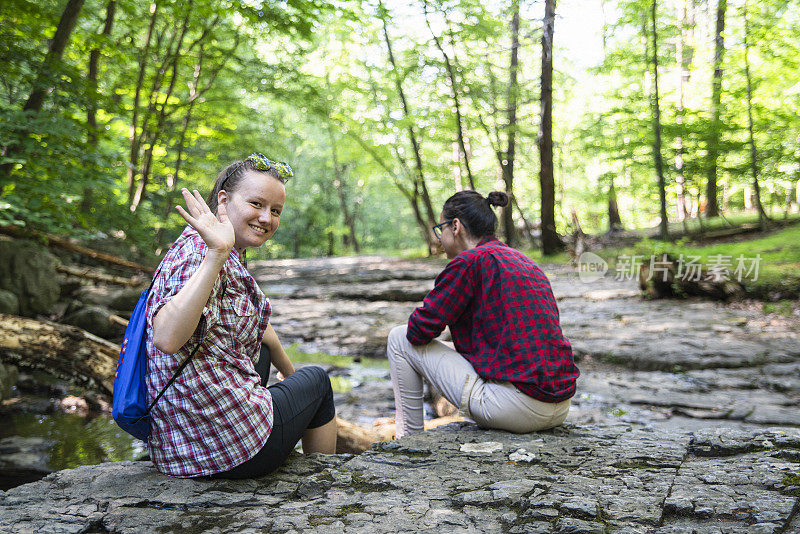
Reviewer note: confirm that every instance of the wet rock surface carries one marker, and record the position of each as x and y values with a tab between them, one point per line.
22	460
27	270
8	377
458	478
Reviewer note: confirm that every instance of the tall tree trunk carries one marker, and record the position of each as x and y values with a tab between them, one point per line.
512	97
659	163
614	220
797	193
172	182
451	77
155	134
133	137
420	185
195	92
349	221
339	182
91	109
94	60
551	242
682	68
411	194
762	216
44	83
457	171
715	127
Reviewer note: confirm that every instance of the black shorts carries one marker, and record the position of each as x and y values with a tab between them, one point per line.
302	401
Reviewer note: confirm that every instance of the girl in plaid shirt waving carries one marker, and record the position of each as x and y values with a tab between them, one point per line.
512	368
217	418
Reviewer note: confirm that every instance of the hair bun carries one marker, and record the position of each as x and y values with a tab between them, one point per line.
497	198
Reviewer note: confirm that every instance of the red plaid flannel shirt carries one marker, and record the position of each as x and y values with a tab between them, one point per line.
215	415
504	320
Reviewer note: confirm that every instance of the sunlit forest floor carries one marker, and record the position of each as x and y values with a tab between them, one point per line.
776	251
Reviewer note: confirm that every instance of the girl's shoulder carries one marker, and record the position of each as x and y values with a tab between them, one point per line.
188	244
189	239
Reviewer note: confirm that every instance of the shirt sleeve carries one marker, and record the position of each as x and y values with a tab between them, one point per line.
444	304
174	272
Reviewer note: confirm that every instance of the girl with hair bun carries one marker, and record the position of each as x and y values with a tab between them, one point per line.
512	368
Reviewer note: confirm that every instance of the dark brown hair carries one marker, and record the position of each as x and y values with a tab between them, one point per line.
474	211
230	177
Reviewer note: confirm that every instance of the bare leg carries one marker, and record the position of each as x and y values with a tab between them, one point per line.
321	439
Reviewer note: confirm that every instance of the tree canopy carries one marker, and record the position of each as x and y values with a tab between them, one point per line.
386	108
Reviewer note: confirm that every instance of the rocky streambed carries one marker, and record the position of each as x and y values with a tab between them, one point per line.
686	416
678	363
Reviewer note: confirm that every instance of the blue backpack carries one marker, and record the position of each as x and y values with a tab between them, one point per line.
129	400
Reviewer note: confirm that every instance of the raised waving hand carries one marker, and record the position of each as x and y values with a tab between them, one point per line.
216	230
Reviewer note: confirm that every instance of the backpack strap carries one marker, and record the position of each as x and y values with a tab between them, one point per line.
186	360
180	369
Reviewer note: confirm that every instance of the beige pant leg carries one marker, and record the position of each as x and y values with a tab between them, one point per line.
491	404
442	366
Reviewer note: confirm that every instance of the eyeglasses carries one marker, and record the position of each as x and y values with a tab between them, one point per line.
263	163
437	229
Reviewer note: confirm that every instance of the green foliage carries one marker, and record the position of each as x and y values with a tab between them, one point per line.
783	307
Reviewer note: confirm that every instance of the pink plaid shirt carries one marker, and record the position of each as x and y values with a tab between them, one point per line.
215	415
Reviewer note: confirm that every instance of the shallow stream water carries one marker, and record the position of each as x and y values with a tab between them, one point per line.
60	440
75	440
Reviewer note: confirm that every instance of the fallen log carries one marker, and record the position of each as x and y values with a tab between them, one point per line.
55	241
385	428
90	274
116	319
441	406
354	439
64	351
710	235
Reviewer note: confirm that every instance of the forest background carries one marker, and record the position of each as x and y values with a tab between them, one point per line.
675	109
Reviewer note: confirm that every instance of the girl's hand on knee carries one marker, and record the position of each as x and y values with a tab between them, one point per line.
282	377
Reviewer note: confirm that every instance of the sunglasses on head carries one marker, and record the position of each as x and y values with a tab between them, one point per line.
265	164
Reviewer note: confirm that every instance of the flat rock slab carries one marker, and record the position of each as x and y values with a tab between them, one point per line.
661	362
598	478
766	396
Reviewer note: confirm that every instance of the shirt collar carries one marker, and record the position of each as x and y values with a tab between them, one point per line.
241	257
